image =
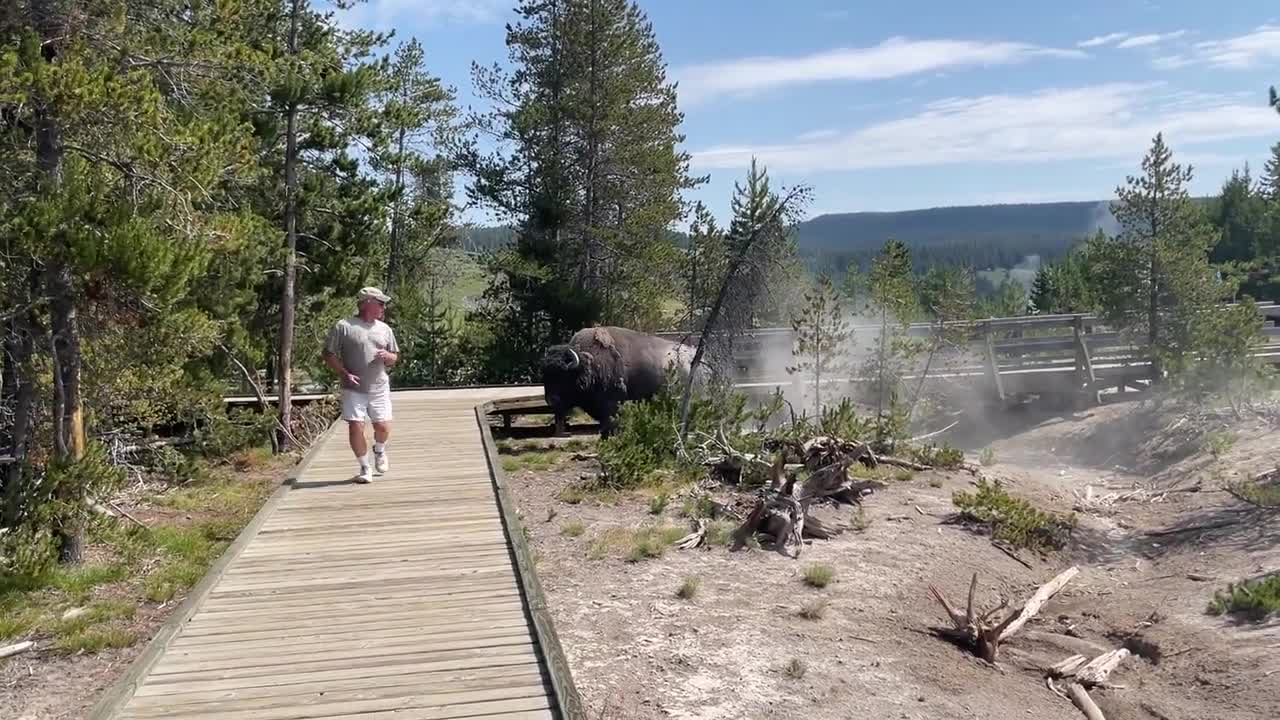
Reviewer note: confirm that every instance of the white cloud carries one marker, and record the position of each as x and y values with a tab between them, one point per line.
1262	46
1102	40
895	57
387	14
1112	121
1150	39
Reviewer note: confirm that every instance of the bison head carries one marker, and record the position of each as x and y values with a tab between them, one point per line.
564	377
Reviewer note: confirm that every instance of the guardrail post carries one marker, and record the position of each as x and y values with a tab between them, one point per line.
992	366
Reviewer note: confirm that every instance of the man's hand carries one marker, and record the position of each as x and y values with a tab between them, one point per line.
387	358
352	379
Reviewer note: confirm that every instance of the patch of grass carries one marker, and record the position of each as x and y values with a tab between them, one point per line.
987	457
573	529
819	575
252	458
935	482
658	503
1218	442
18	622
860	521
1251	599
903	475
598	550
170	579
510	465
572	494
689	588
701	506
79	582
814	609
1014	520
720	532
94	639
794	669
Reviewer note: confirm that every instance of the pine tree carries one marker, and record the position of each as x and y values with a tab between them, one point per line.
1044	294
759	241
419	125
892	297
1269	183
822	334
1154	279
109	221
594	174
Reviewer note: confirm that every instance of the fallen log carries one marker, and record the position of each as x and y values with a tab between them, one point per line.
17	649
1081	698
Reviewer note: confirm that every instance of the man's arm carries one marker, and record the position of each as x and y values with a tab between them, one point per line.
335	365
391	355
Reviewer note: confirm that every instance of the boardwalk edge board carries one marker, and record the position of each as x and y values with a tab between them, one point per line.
568	702
118	694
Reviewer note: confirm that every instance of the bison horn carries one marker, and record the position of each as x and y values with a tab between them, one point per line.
576	361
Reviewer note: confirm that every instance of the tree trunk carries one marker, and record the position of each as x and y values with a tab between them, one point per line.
393	254
18	396
49	19
68	418
288	301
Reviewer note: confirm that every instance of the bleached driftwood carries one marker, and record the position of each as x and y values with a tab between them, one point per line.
18	649
1037	601
1081	698
977	632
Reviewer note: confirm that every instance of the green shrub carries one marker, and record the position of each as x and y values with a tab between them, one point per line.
1013	520
647	432
1263	491
945	457
1219	442
720	533
689	588
700	506
819	575
1253	599
573	529
988	457
658	503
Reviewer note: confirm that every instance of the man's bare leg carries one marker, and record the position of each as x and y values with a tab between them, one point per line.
381	432
359	445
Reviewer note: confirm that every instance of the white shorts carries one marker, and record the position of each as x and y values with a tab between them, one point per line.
358	406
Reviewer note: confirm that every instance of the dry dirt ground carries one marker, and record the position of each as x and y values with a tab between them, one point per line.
739	648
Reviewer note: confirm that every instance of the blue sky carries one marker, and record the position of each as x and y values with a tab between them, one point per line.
913	103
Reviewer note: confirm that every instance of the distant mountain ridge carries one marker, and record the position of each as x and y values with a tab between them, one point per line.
1037	223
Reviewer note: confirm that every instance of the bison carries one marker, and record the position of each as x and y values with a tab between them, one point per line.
602	367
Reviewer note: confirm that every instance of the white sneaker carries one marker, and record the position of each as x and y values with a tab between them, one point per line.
365	476
380	462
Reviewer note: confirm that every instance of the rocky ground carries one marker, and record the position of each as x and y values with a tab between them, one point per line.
1157	536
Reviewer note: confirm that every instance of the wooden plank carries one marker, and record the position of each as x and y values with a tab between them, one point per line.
283	691
292	697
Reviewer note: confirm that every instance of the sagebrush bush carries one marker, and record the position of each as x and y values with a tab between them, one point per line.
1013	520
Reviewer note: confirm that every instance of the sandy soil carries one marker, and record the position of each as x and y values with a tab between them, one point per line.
640	652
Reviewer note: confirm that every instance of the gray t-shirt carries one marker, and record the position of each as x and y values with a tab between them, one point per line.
356	343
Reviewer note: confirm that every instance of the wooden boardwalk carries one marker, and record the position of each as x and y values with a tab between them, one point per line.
398	599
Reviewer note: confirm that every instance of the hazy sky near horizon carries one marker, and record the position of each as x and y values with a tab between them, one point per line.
915	103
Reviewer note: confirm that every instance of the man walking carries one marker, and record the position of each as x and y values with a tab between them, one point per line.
360	349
